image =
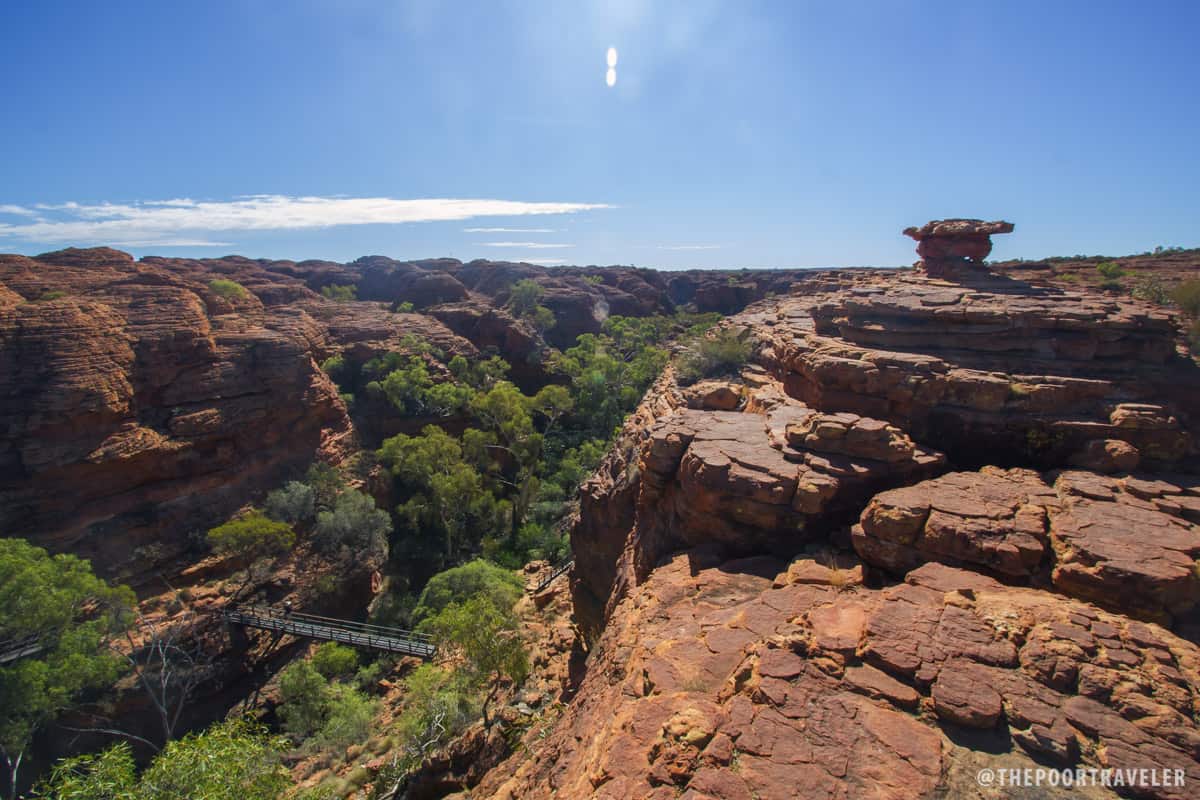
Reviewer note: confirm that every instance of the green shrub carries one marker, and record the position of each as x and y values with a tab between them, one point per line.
348	718
405	308
524	297
230	290
52	294
294	502
334	660
486	641
1187	296
340	292
234	759
458	584
353	522
1110	271
1152	290
335	367
724	352
305	695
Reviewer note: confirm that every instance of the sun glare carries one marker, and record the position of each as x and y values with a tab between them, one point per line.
610	77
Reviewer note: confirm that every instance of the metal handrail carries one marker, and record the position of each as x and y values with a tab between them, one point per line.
272	612
559	570
360	634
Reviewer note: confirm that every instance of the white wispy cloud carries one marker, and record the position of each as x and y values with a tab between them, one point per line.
509	230
529	245
545	261
169	243
17	210
689	247
182	219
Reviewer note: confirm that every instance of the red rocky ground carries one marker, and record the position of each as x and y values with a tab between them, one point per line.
937	526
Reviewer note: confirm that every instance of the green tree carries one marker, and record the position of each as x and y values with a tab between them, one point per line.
354	522
446	494
235	759
253	540
334	660
340	292
348	718
108	775
488	642
326	482
552	402
405	308
305	695
476	578
437	706
481	374
542	319
72	614
524	297
293	503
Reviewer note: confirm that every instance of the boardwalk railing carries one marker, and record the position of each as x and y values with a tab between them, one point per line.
12	649
553	576
309	626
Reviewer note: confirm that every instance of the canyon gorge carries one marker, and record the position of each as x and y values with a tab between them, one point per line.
943	518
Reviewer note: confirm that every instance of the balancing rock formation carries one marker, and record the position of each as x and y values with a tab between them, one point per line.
954	248
932	528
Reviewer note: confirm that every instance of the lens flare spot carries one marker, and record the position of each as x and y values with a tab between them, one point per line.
610	77
612	57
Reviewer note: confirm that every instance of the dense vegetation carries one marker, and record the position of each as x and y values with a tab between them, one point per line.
72	614
481	487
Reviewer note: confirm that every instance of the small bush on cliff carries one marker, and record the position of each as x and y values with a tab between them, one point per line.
1110	272
230	290
524	300
295	502
524	297
1187	296
1152	290
340	292
723	352
53	294
405	308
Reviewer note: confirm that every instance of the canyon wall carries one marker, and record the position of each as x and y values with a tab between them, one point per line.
945	520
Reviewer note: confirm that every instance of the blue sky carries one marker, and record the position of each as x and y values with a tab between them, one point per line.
736	134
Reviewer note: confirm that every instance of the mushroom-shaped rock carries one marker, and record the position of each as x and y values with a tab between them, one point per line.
948	247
